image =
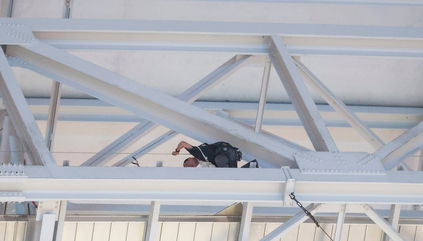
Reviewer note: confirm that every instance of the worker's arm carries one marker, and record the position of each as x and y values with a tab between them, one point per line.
181	145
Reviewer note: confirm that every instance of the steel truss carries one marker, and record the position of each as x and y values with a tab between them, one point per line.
351	181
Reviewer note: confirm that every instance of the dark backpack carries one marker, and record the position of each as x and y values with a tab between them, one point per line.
226	155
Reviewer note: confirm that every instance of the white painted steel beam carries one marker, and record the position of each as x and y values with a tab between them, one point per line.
380	116
190	95
339	106
58	234
401	147
144	149
263	95
53	113
47	227
231	37
291	223
340	222
225	28
300	97
152	232
247	214
5	145
154	105
263	186
114	210
385	226
16	150
394	217
21	116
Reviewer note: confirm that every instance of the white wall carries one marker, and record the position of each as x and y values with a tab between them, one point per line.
205	231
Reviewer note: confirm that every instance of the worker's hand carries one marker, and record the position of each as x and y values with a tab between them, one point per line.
175	153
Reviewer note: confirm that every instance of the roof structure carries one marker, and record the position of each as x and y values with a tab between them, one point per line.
326	95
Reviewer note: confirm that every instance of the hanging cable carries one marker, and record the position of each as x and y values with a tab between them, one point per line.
292	196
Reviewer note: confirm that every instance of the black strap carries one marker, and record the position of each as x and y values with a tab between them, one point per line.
292	196
135	161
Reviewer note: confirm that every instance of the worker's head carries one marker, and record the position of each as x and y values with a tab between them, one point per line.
191	162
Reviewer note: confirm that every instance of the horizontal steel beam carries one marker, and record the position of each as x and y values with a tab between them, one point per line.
233	37
263	187
224	28
372	116
89	212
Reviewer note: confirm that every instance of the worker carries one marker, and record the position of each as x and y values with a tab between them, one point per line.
219	154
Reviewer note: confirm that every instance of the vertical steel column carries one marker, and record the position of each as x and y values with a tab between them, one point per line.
4	145
7	12
47	227
340	222
244	229
16	155
61	221
55	97
394	216
384	225
153	222
10	9
53	113
263	95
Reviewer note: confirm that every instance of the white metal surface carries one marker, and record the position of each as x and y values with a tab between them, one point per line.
394	217
20	115
4	146
403	146
300	97
111	30
291	223
156	106
53	113
385	226
47	227
152	232
58	234
263	94
225	186
341	163
378	30
340	222
247	213
190	95
340	107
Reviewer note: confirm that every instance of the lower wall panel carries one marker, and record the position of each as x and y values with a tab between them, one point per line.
205	231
